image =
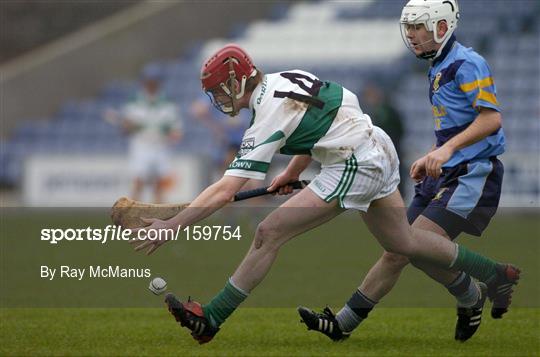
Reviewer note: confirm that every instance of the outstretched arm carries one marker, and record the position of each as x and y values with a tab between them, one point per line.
209	201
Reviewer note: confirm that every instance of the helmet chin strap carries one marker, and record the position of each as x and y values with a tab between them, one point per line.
232	89
432	55
427	55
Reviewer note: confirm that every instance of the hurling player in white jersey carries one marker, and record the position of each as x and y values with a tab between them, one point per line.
295	113
153	124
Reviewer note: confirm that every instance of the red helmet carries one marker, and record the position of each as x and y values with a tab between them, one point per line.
228	65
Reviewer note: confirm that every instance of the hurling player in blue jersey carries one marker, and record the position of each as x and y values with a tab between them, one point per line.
458	181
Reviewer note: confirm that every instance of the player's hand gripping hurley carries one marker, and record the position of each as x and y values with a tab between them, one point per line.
128	213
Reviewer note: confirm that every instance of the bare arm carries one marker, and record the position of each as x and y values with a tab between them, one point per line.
296	166
209	201
118	118
485	124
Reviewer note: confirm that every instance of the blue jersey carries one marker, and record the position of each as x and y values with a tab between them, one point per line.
460	83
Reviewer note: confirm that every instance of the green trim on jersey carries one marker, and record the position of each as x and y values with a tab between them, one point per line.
345	181
315	122
278	135
249	165
252	118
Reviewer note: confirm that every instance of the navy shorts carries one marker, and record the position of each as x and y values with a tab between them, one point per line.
462	199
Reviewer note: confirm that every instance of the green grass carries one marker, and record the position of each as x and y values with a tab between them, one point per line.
120	317
259	331
336	255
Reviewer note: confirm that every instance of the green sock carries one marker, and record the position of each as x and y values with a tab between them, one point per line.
223	304
474	264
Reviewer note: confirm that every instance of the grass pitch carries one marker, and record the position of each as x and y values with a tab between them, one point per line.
113	317
260	332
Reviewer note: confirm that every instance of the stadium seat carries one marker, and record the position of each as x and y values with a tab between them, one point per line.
352	34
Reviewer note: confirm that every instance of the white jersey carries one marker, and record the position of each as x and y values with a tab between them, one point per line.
294	113
153	120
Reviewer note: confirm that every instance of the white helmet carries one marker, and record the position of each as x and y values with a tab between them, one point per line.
429	13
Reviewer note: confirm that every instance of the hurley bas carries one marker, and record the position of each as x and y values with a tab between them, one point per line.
97	271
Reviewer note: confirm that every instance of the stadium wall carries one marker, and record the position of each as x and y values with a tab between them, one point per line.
34	85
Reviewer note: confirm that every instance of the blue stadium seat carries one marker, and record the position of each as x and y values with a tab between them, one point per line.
78	125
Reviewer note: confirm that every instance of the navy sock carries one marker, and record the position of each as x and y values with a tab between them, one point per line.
354	311
465	290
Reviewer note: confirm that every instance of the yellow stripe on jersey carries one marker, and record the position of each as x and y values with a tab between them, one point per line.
481	83
487	97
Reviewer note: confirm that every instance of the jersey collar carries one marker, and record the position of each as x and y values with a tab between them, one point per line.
151	101
447	48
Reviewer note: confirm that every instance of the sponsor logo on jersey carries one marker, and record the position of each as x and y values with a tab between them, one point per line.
436	82
319	185
438	111
263	91
241	165
247	145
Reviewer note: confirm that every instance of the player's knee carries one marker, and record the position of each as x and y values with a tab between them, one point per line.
401	248
267	236
395	260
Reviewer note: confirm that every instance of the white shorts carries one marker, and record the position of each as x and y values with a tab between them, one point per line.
149	164
369	174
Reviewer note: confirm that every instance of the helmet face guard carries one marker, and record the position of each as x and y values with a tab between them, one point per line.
224	76
429	13
223	95
405	27
226	107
